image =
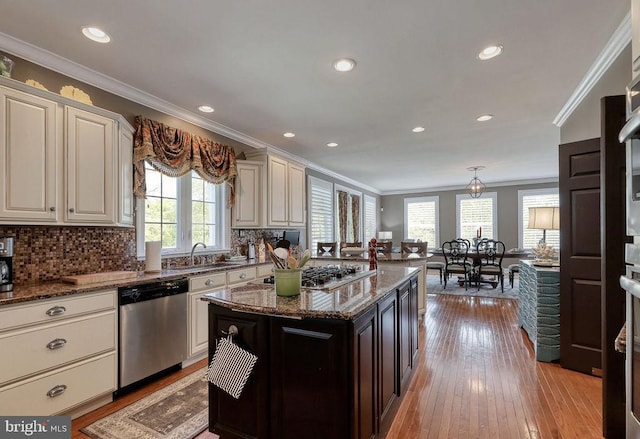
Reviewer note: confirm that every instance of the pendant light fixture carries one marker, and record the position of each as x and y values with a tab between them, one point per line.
475	187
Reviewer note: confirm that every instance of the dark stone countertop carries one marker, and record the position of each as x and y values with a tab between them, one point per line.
344	303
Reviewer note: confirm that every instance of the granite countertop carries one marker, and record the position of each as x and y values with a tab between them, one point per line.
45	290
344	303
382	257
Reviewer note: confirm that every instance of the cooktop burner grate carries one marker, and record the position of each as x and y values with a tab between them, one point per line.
327	277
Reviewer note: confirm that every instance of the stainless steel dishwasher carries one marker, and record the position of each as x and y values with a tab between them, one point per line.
153	329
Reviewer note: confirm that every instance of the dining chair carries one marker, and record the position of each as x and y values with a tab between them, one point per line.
350	244
513	269
456	260
489	256
411	247
327	248
384	246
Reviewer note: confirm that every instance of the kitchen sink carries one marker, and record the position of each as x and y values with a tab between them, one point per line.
213	266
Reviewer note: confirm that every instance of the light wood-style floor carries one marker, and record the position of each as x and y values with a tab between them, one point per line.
477	378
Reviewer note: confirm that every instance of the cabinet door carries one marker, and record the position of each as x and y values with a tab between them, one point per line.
28	157
198	324
414	311
388	389
365	379
297	217
404	329
125	182
247	207
90	167
277	213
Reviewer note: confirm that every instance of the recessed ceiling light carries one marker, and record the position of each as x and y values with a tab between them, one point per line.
485	117
332	144
490	52
96	34
289	135
206	109
344	65
418	129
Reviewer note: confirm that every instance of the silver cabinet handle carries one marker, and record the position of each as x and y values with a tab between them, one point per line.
56	344
52	209
233	330
243	275
56	391
208	282
71	209
56	311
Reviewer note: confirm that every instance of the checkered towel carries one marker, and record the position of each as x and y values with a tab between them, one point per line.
230	367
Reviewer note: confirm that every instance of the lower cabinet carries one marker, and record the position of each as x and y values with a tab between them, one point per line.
319	378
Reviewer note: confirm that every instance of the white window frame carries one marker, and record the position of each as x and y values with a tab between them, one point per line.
465	196
369	203
435	199
529	192
183	212
337	187
315	181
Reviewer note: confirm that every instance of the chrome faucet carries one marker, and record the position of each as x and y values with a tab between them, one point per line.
193	249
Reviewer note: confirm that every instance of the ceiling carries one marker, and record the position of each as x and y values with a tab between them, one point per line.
266	68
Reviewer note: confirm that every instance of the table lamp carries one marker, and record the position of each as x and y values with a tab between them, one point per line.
385	236
544	218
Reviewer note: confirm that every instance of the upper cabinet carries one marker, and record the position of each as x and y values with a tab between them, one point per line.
635	37
63	162
281	204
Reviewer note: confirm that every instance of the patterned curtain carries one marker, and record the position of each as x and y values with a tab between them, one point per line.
342	215
175	152
355	215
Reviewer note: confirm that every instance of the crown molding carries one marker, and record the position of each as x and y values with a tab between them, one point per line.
490	185
616	44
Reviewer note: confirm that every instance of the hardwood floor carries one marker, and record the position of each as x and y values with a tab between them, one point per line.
477	378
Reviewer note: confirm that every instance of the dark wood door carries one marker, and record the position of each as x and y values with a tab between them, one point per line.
309	379
388	389
580	257
365	375
613	182
404	328
414	323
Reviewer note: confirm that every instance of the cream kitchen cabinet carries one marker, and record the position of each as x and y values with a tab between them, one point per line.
635	37
63	351
248	211
198	317
286	193
125	179
61	160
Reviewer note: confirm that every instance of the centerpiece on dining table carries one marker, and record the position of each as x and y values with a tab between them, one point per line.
288	263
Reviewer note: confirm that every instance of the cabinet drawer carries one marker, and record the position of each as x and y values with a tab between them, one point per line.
55	309
264	270
43	347
206	282
237	276
82	382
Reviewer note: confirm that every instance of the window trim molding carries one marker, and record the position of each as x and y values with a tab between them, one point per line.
494	196
523	193
436	199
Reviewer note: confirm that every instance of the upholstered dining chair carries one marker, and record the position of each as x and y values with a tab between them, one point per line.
489	254
456	260
325	248
384	246
409	247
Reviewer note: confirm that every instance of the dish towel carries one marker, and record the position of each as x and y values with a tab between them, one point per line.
230	367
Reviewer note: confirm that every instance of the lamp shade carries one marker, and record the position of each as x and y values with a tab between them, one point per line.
545	218
385	236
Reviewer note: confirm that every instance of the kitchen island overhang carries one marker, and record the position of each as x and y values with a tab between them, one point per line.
331	364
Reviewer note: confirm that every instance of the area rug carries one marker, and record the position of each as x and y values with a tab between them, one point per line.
486	290
178	411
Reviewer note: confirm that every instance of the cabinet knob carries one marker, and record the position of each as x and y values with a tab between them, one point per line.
208	282
233	330
71	209
56	391
243	275
55	311
52	209
56	344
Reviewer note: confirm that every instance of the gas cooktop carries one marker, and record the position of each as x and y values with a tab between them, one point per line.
328	277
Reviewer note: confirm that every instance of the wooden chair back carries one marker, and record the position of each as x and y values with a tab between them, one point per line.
384	246
327	248
350	244
409	247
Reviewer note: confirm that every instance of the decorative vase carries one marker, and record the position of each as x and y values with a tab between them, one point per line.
288	281
6	66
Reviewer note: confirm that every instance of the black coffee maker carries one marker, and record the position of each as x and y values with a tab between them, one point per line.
6	265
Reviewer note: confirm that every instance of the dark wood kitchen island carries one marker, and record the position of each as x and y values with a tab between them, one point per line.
331	364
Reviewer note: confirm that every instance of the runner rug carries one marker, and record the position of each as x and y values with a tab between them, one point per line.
178	411
486	290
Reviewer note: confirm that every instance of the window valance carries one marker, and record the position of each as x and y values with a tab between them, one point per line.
175	152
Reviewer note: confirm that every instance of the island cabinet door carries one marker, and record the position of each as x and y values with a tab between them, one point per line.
415	305
388	377
248	416
404	331
309	379
365	375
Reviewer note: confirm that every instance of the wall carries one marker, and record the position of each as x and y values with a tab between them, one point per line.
392	217
584	122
